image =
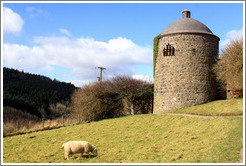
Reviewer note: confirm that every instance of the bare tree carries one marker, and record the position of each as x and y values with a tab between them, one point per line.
130	88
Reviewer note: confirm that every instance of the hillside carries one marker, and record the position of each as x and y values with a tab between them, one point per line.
144	138
33	93
220	107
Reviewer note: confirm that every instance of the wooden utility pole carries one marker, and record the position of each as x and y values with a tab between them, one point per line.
101	69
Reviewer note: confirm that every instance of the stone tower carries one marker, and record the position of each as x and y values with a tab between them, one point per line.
187	50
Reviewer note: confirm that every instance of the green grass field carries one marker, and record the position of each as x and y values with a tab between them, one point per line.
136	139
220	107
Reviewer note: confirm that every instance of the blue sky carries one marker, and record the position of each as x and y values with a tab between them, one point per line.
67	41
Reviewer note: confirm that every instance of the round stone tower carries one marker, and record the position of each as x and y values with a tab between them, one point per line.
187	50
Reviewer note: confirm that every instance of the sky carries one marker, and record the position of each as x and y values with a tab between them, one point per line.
69	41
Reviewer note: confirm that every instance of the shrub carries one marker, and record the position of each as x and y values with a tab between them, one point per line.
229	68
113	98
58	109
93	101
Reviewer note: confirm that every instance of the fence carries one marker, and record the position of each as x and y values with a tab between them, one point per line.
26	126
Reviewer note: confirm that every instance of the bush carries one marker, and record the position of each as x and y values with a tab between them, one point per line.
113	98
93	101
58	109
229	68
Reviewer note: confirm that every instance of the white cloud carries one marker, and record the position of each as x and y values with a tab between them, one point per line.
65	32
12	22
230	36
80	83
144	78
81	55
34	12
30	9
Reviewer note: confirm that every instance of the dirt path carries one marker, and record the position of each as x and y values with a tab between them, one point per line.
202	116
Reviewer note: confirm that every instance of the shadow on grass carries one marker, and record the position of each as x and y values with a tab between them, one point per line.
88	156
78	157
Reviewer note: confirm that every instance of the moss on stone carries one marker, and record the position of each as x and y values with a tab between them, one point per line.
155	52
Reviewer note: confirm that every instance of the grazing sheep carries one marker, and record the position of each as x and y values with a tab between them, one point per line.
72	147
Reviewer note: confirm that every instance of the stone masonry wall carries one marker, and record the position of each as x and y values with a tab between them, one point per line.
185	79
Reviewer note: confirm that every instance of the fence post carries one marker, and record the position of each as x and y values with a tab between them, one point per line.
43	122
78	119
18	125
62	120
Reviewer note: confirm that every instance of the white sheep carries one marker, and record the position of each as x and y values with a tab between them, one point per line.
72	147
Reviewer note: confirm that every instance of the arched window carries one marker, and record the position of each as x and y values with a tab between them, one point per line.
169	50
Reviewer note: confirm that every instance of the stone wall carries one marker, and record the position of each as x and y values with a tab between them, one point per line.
185	79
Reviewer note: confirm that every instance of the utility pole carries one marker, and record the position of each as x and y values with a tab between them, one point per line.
101	69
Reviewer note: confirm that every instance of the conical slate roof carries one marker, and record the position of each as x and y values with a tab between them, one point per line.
186	25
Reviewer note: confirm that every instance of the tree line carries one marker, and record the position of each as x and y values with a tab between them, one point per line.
35	94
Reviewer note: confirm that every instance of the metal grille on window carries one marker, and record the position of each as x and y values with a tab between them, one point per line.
169	50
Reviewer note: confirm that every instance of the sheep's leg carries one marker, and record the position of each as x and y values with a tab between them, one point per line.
67	153
66	156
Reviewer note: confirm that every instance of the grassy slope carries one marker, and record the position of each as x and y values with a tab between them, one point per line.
135	139
219	107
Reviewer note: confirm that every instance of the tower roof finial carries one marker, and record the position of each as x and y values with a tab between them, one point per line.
186	14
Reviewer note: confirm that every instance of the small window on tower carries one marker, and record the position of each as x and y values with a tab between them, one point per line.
169	50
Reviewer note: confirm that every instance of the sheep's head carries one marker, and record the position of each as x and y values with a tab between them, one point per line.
94	151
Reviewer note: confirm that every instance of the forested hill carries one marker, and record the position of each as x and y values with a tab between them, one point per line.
35	94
